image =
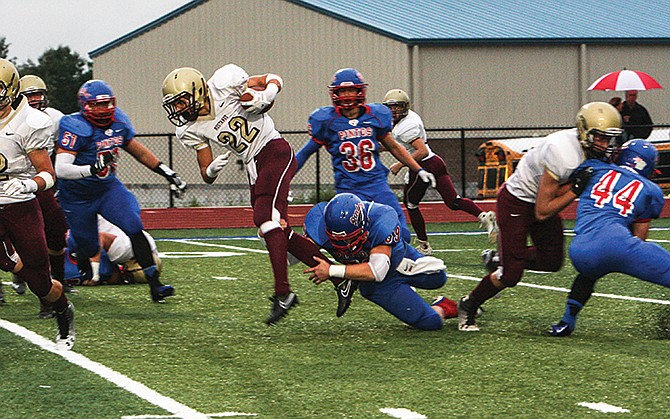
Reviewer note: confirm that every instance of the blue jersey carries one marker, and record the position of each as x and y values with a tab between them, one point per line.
384	230
76	134
353	144
616	195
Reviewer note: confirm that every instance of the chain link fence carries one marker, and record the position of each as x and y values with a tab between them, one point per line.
314	182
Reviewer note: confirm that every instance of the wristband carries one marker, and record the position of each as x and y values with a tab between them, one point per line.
48	179
337	271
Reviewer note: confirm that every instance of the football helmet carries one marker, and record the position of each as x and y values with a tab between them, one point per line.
639	155
35	90
347	78
9	83
398	102
185	93
97	103
347	223
604	120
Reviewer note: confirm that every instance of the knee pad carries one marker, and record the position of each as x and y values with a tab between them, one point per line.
410	206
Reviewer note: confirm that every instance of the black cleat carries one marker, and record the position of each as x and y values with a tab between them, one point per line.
345	292
561	329
66	331
159	293
46	311
281	306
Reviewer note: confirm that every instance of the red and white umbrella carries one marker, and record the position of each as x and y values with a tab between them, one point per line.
625	80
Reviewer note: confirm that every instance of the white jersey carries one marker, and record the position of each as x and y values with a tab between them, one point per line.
24	130
228	123
55	116
409	129
121	250
560	154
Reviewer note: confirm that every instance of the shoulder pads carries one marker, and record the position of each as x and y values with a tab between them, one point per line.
37	119
76	124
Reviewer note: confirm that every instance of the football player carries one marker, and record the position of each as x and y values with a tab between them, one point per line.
35	90
26	134
353	132
616	206
365	237
529	202
409	132
230	110
88	145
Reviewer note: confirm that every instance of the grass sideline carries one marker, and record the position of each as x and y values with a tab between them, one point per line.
209	349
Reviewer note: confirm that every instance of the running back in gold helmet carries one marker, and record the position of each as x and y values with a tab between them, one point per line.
9	83
398	102
603	120
185	93
35	90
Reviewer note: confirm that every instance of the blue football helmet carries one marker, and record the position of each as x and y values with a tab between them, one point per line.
639	155
347	78
347	223
97	103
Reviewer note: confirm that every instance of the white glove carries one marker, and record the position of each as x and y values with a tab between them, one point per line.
16	187
217	164
258	104
427	177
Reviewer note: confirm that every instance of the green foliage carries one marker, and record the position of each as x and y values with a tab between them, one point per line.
209	349
63	71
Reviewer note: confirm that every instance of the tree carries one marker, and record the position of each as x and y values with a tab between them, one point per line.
63	71
4	47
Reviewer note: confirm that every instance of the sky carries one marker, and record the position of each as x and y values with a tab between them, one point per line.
82	25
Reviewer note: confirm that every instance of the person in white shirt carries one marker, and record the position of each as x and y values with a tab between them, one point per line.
408	131
528	204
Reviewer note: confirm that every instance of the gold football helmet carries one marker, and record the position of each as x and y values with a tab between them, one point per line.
185	93
9	83
603	120
398	101
35	90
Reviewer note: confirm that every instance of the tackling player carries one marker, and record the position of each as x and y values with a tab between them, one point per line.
353	132
88	145
25	135
230	110
409	132
616	206
365	238
529	202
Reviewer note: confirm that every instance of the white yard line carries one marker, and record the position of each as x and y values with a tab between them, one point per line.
132	386
603	407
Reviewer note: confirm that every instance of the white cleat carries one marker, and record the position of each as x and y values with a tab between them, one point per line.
487	220
424	248
66	332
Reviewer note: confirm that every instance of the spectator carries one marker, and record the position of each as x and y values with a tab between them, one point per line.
617	102
636	119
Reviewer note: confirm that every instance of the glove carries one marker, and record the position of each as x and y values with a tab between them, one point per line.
581	179
427	177
16	187
217	164
258	103
103	161
177	186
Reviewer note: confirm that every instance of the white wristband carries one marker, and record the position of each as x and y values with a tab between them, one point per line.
337	271
48	179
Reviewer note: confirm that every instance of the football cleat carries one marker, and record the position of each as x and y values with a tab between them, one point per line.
46	311
345	292
487	220
424	248
280	307
466	316
66	332
561	329
159	293
18	285
490	259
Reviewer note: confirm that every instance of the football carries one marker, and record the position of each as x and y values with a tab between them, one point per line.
246	97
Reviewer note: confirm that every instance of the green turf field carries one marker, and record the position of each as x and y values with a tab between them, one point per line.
207	350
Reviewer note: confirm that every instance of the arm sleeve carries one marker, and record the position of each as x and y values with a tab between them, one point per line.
66	169
307	150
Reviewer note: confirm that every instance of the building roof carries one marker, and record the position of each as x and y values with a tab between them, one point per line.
448	22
